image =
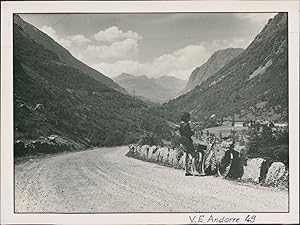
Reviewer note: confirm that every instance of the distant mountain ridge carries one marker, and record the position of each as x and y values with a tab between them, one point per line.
157	90
252	85
210	67
169	82
63	54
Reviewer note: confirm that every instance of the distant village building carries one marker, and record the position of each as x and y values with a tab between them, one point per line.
238	124
226	123
281	125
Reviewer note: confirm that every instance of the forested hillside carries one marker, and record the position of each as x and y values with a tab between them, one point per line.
63	54
54	98
253	85
210	67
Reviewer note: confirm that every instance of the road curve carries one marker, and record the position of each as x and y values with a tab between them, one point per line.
105	180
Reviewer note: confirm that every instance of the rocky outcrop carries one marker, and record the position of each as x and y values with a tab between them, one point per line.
209	68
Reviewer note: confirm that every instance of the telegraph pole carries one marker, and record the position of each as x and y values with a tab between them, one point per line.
133	92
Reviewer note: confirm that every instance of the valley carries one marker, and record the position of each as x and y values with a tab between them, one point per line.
57	95
158	90
88	141
249	86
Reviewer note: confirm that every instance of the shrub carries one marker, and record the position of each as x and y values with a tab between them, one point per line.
175	141
281	153
149	139
130	139
268	144
114	138
19	149
153	124
38	147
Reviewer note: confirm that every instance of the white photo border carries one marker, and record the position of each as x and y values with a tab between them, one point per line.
7	189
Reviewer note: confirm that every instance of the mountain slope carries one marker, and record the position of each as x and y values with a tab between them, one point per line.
63	54
54	98
210	67
154	89
252	85
171	83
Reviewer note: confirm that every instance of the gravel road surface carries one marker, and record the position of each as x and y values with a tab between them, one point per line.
105	180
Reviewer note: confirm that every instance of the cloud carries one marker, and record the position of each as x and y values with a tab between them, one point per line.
125	49
113	44
89	51
179	63
255	18
215	45
69	41
114	34
182	62
50	32
121	66
79	39
121	49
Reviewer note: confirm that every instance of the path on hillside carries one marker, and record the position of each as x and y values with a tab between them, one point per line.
105	180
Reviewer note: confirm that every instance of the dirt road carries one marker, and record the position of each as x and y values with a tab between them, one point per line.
105	180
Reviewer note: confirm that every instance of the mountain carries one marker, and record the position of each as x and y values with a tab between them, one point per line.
63	54
52	97
157	90
210	67
171	83
252	85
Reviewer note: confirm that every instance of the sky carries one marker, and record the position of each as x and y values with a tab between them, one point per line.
152	44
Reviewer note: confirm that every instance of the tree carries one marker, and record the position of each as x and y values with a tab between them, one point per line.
114	138
268	144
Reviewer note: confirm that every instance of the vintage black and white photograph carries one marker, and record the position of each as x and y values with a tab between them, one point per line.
171	112
151	112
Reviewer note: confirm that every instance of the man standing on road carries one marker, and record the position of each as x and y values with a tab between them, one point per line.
186	140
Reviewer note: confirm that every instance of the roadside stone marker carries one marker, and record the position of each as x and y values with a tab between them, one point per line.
157	155
275	172
151	152
144	151
252	170
174	156
165	155
181	162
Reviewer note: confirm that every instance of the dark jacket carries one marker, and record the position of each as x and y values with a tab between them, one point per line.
186	136
185	130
